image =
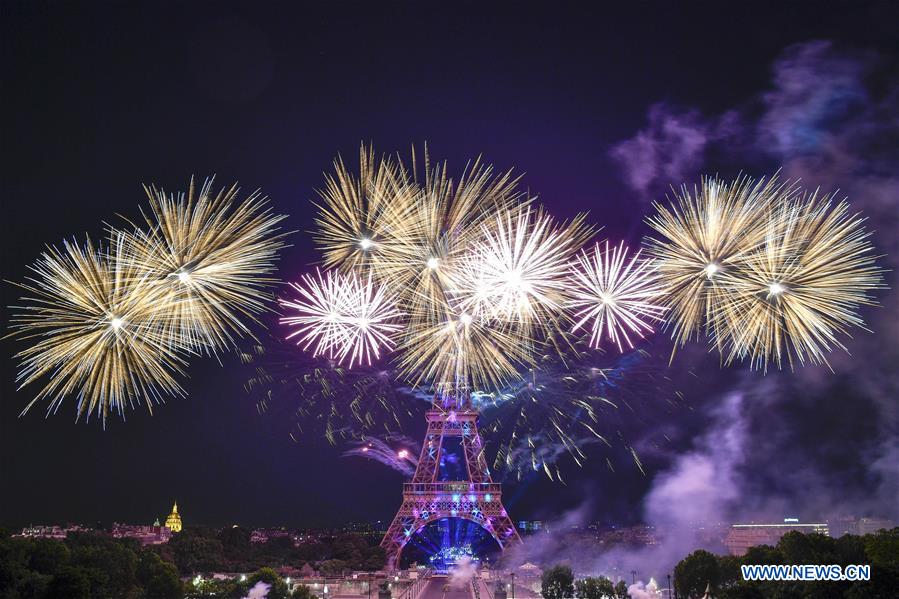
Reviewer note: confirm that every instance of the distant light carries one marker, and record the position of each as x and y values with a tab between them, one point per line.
365	243
287	580
776	288
433	263
711	270
243	577
403	454
488	497
116	323
465	318
365	449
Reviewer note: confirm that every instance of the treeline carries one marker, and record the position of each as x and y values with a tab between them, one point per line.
558	583
198	549
722	574
88	565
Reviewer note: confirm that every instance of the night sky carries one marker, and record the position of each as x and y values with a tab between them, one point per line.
99	98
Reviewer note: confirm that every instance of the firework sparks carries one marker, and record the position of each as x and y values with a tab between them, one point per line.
794	294
343	317
574	407
517	270
705	236
459	353
316	399
381	450
212	256
362	221
616	295
100	331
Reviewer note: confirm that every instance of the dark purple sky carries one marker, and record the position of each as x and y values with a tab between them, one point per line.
602	110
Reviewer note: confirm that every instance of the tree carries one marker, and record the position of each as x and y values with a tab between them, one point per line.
158	578
594	588
71	583
48	556
196	553
333	567
621	590
235	542
882	549
557	583
695	572
303	592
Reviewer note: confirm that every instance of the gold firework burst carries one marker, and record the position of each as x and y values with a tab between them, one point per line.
793	295
704	236
212	256
456	353
362	219
99	329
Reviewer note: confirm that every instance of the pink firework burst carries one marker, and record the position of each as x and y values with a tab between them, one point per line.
342	316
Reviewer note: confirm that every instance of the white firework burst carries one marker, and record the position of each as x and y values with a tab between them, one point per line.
342	316
613	295
516	270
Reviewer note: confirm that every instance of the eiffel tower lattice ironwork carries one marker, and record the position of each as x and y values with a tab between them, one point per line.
428	498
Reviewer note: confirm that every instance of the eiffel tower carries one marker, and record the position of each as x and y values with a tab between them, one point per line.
474	496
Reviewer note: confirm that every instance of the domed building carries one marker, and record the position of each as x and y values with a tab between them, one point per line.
173	522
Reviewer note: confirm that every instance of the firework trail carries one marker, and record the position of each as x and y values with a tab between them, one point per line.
311	398
394	451
572	408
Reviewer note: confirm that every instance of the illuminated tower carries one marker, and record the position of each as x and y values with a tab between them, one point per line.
173	522
438	492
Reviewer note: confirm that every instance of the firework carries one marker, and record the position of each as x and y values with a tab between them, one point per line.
99	329
383	450
212	256
705	235
616	296
343	316
573	407
315	398
458	353
793	295
516	271
363	220
437	233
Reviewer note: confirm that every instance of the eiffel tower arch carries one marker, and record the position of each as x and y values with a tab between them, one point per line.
428	497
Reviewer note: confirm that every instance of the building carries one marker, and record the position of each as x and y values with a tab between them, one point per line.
154	534
868	526
530	526
743	536
173	522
